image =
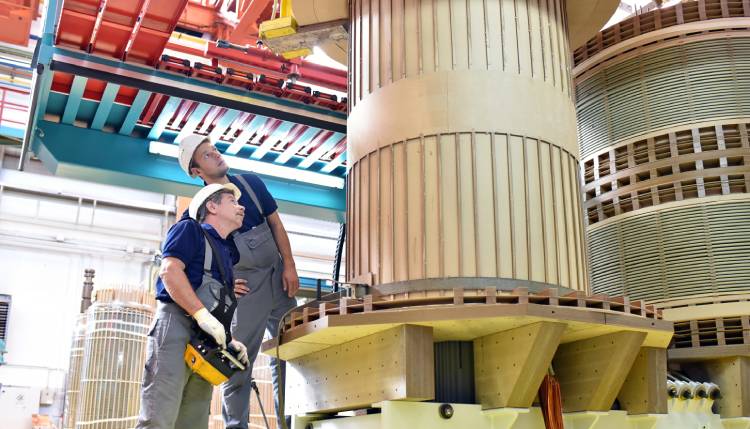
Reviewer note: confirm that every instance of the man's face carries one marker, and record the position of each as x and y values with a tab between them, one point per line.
207	161
229	211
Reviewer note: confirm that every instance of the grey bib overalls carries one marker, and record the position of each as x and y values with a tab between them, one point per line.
172	395
260	309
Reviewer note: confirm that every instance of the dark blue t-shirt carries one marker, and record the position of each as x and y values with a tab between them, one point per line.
186	242
254	218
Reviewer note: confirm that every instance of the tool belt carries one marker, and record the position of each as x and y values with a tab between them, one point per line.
203	355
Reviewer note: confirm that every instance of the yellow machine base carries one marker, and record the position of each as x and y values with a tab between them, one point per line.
424	415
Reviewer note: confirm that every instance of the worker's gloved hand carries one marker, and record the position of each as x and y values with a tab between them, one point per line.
211	326
241	351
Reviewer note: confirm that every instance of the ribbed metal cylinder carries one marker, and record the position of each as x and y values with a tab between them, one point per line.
73	379
679	85
462	143
454	372
114	355
674	250
665	168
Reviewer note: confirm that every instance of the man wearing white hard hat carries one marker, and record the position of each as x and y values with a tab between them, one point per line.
197	262
265	263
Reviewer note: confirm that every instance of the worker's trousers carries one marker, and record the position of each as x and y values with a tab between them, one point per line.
259	310
172	395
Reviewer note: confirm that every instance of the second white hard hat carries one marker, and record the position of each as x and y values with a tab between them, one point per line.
205	192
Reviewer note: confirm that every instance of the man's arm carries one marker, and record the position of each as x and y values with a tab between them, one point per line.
172	273
289	277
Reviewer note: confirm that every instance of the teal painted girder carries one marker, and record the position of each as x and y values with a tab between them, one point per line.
194	120
321	150
105	106
223	124
11	132
125	161
74	99
139	103
164	117
88	109
334	163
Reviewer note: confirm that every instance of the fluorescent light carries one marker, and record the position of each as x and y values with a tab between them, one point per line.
258	167
164	149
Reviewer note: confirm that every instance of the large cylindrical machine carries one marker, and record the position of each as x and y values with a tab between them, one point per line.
464	215
663	102
664	111
462	143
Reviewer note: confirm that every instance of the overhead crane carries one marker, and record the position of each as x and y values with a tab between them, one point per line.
104	81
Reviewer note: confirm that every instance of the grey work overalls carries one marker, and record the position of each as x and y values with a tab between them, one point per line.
260	309
173	396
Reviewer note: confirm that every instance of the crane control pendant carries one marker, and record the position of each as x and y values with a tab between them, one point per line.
205	358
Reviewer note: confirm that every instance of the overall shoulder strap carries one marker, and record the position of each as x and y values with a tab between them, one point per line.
251	193
226	296
208	257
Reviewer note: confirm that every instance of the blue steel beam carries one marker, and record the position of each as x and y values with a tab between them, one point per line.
293	148
222	124
74	99
280	133
139	103
321	150
311	284
42	96
127	162
335	162
51	21
166	114
44	58
42	80
180	114
105	105
245	135
44	89
13	85
11	132
239	141
195	119
210	118
237	125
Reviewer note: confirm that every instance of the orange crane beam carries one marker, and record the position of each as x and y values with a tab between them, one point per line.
246	31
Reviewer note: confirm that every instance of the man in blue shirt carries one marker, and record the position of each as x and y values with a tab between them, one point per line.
265	263
172	395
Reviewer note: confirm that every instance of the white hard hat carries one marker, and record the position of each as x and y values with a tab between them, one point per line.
205	192
187	147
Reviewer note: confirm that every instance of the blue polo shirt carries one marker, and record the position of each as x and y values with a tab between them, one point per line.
253	217
186	242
